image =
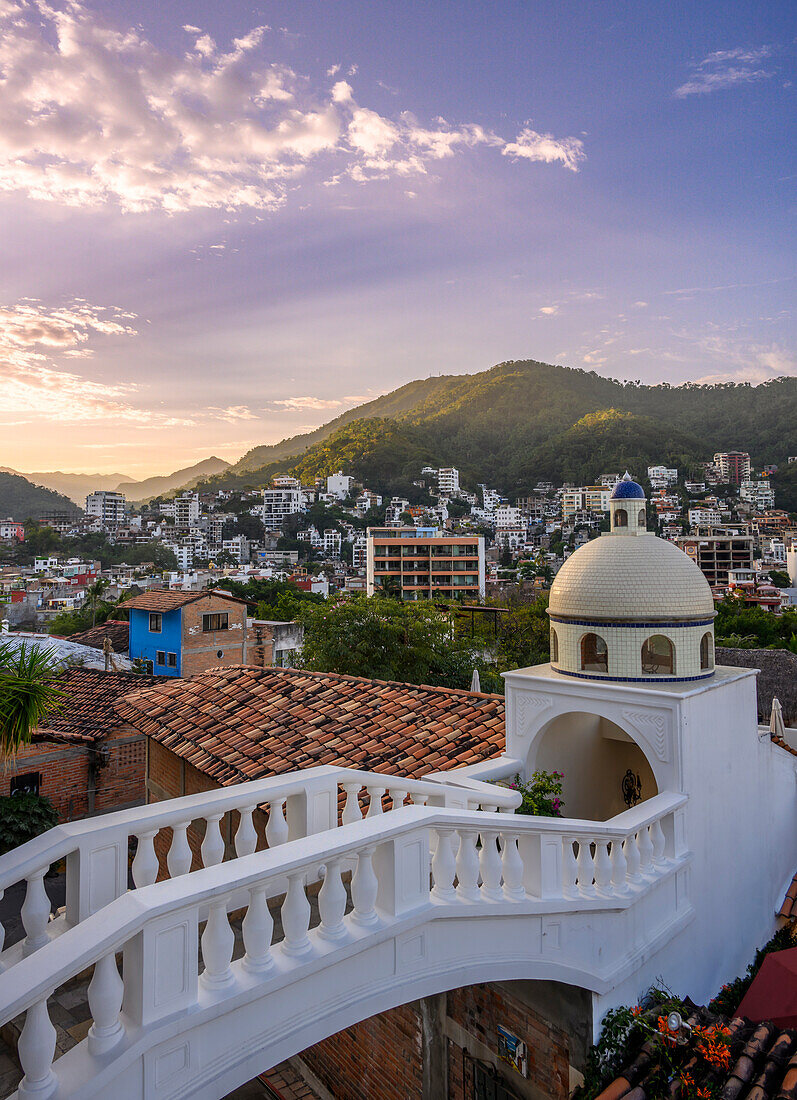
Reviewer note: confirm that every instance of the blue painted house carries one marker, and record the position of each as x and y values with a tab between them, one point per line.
183	633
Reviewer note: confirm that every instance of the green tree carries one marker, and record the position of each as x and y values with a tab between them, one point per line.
94	594
29	691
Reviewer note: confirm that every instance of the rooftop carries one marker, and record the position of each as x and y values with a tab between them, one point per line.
163	599
87	713
241	722
116	630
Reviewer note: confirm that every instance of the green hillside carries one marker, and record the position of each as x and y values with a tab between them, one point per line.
523	421
20	499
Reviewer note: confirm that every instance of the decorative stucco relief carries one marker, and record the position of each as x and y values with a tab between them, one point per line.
528	708
653	728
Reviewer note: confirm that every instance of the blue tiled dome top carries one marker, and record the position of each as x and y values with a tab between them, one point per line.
626	488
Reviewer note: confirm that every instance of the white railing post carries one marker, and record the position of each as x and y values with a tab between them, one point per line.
586	867
397	797
364	889
106	990
258	929
145	861
277	827
444	867
375	804
657	842
245	834
352	811
332	903
631	851
296	917
313	809
218	941
512	866
490	865
645	850
161	967
467	865
96	873
619	868
603	868
35	914
179	858
401	868
36	1049
213	845
569	868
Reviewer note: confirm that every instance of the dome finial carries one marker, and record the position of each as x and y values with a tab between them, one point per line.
626	477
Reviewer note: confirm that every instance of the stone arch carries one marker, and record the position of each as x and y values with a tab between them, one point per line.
554	646
594	653
641	518
706	651
620	517
658	656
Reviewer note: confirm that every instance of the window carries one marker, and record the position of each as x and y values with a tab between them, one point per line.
155	622
641	518
172	660
160	657
554	647
217	621
621	518
706	651
658	656
594	654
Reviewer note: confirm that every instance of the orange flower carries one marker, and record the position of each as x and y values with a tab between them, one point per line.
636	1010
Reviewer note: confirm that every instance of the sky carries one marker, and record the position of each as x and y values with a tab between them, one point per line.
223	224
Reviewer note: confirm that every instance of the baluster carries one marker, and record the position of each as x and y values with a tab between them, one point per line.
569	868
603	868
468	866
258	928
218	941
657	843
277	828
619	868
512	867
586	868
418	799
105	1003
35	914
36	1048
488	809
179	858
375	806
364	888
645	851
213	844
444	867
352	811
245	834
332	903
296	917
145	862
631	851
397	797
490	866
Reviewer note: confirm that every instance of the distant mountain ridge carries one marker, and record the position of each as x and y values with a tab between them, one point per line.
181	479
21	500
520	422
75	486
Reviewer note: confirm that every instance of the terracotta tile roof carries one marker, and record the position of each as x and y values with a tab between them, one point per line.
163	599
87	713
779	741
789	907
763	1066
242	722
118	631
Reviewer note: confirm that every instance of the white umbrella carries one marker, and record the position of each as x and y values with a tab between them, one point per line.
476	686
776	726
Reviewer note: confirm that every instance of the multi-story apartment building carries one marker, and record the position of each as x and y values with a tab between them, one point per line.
277	505
424	563
332	542
758	493
448	480
186	510
107	507
589	498
339	485
359	552
661	476
704	517
718	553
733	466
507	516
10	529
285	481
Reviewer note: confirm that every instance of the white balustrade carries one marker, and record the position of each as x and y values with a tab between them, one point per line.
619	868
36	1049
180	857
351	810
603	868
586	868
490	866
213	843
657	843
332	903
397	796
296	917
512	867
145	861
258	928
645	846
467	866
569	868
444	867
245	834
375	804
277	827
105	1002
631	852
364	889
218	941
35	914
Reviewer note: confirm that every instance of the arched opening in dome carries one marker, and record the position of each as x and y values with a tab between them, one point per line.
640	522
620	517
658	656
595	756
594	654
554	647
706	651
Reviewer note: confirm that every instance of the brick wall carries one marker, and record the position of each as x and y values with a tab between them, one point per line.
64	770
201	650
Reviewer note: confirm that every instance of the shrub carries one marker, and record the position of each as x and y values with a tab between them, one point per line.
22	817
542	794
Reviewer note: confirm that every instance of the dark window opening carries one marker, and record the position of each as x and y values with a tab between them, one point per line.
621	518
594	654
172	660
160	657
658	656
155	622
706	651
216	621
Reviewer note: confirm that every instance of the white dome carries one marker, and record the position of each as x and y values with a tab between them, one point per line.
642	579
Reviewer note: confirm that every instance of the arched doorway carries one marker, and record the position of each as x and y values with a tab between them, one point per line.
594	754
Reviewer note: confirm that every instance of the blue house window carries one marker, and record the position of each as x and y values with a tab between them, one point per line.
160	657
172	660
155	622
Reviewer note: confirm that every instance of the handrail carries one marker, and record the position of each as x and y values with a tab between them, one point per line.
108	930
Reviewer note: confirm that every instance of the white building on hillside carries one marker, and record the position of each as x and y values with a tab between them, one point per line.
339	485
277	505
107	507
660	477
448	480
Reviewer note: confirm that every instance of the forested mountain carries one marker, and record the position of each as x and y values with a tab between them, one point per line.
524	421
74	486
20	499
